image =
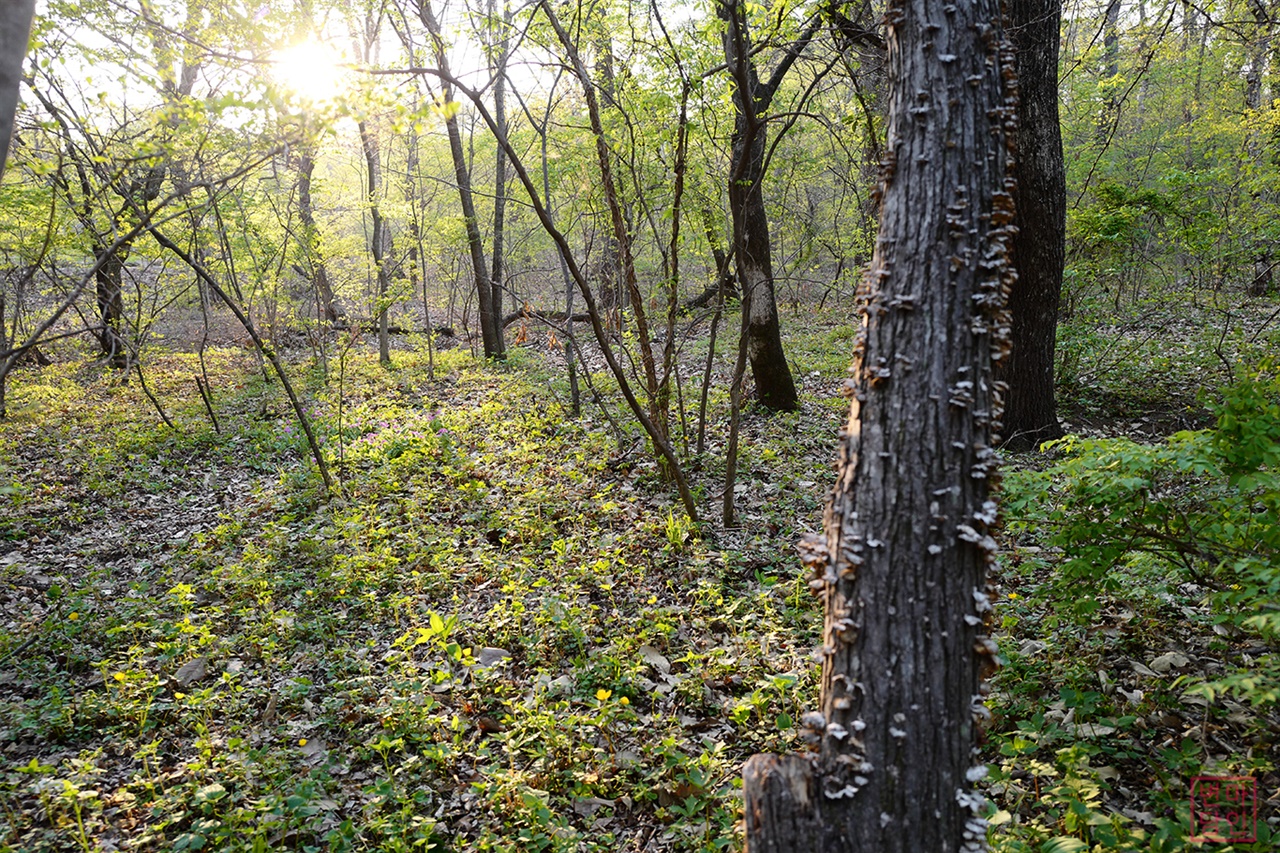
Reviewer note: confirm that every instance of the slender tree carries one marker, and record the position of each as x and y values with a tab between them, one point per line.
377	235
1263	265
751	100
901	567
312	250
490	321
499	31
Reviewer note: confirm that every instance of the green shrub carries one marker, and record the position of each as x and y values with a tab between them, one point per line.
1200	506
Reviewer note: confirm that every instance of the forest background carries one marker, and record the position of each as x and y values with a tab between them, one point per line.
354	499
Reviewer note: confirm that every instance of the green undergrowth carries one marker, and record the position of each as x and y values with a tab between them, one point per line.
498	634
1141	624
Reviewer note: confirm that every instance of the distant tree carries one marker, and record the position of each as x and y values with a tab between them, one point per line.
490	321
311	253
311	250
499	29
103	190
1039	248
1255	74
15	26
901	567
752	97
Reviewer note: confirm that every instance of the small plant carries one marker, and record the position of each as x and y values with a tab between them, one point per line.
678	530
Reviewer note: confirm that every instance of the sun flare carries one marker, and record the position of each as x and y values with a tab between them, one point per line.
311	70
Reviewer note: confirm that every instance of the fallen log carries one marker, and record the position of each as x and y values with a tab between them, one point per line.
528	313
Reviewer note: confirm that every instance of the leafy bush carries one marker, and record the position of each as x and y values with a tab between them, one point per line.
1200	506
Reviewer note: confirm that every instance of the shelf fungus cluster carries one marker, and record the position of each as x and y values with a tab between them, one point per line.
909	530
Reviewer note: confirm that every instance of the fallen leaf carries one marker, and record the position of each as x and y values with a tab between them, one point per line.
1168	661
191	672
490	656
588	806
314	749
655	659
1143	669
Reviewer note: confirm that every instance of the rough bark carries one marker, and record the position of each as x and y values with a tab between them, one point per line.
490	328
901	567
1031	414
775	387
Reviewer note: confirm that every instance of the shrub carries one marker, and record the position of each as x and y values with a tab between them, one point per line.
1200	506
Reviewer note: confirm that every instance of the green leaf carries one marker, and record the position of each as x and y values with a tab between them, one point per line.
209	793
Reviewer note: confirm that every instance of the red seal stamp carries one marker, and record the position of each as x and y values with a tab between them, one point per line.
1224	809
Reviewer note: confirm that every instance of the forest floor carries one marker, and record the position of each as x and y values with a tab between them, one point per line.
502	633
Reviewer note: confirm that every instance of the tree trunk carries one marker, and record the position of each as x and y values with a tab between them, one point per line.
311	238
774	385
500	163
658	415
902	565
609	278
6	360
490	325
1031	414
15	27
751	98
110	292
411	202
378	239
1263	275
1110	60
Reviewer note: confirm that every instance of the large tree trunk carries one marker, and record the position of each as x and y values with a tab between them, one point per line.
490	323
774	386
902	566
15	27
1031	414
